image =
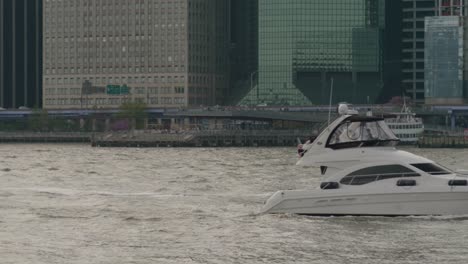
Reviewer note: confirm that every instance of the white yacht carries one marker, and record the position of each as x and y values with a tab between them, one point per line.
364	174
406	126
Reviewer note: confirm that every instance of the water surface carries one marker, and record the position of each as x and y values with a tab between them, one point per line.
77	204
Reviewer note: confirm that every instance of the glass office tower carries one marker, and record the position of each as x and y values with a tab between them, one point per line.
20	53
243	49
303	45
414	12
444	57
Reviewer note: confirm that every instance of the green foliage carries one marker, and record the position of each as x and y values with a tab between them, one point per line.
135	111
62	125
39	120
13	125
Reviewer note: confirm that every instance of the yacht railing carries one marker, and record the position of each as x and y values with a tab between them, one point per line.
403	120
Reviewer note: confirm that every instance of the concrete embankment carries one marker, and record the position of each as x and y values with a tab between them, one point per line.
45	137
149	138
222	138
443	141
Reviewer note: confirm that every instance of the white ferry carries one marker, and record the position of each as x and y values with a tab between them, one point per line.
406	126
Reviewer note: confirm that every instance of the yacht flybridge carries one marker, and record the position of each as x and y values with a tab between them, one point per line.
364	174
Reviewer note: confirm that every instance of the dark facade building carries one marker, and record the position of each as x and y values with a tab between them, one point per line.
414	13
244	49
392	46
305	47
21	53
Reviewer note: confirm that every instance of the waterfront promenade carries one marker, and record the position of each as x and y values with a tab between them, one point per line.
156	138
45	137
206	138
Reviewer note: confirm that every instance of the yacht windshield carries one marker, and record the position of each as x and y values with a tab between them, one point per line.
361	131
431	168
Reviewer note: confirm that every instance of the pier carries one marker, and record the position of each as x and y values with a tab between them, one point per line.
443	141
45	137
213	138
149	138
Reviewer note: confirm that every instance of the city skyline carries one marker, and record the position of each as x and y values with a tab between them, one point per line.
190	53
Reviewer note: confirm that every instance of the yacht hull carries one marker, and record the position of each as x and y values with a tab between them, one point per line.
386	204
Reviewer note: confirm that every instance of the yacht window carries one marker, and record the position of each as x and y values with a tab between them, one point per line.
431	168
377	173
358	131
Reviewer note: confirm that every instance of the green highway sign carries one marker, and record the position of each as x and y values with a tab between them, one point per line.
117	89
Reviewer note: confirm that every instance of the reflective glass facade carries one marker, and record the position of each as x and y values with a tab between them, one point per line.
444	60
305	44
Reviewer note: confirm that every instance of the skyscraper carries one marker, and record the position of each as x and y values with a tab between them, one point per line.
244	49
304	45
20	53
445	54
414	13
392	46
444	58
165	53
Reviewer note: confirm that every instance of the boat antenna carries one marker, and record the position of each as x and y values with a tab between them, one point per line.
404	103
329	105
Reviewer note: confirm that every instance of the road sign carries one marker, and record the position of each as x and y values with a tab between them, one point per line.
117	89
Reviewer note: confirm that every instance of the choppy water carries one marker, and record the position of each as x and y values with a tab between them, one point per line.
76	204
